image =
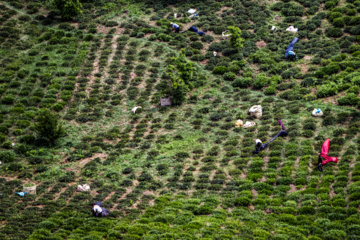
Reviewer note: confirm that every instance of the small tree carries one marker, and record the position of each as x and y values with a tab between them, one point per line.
67	8
48	127
177	88
179	71
236	40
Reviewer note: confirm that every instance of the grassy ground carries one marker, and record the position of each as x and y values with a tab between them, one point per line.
179	172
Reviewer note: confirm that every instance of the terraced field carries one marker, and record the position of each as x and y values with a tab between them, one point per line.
182	171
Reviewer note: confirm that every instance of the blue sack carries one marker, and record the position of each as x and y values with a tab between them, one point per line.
193	29
200	33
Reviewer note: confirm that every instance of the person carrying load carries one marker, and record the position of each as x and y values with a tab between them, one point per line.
259	146
289	53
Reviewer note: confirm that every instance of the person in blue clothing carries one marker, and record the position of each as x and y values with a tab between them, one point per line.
289	53
175	27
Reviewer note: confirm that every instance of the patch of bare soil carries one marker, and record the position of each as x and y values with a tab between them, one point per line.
9	178
304	68
331	100
296	165
261	44
307	58
132	75
109	196
75	24
292	188
147	192
332	193
268	211
254	192
57	195
72	170
97	155
211	177
102	29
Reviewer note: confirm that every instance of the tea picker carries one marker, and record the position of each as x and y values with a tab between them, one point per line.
289	53
323	156
98	211
175	27
259	146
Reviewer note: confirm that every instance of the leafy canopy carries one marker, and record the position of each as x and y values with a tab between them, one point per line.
48	127
236	40
67	8
180	74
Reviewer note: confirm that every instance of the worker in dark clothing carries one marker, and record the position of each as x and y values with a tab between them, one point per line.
259	146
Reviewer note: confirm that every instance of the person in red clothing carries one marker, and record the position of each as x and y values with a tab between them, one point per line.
323	156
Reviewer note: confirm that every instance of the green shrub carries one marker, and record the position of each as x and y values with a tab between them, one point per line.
242	201
271	90
349	99
229	76
220	70
48	127
334	32
327	90
7	156
261	81
242	82
8	99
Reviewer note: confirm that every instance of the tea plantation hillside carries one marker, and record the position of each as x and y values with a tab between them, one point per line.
182	171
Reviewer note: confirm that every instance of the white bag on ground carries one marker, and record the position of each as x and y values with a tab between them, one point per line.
317	112
256	111
83	188
292	29
249	124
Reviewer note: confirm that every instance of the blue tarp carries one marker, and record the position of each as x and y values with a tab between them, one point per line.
193	29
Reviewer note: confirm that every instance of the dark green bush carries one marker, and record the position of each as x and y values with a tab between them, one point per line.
334	32
229	76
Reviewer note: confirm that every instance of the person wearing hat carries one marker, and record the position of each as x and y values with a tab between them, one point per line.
175	27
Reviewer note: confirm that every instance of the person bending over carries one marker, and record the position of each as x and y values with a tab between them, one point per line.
259	146
175	27
323	156
98	211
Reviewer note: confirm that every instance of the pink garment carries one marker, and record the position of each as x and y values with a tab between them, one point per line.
325	151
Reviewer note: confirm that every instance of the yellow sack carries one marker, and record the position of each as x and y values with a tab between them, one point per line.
238	123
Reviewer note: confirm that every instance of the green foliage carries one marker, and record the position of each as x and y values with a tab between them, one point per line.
180	75
67	8
47	127
236	40
261	81
242	82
